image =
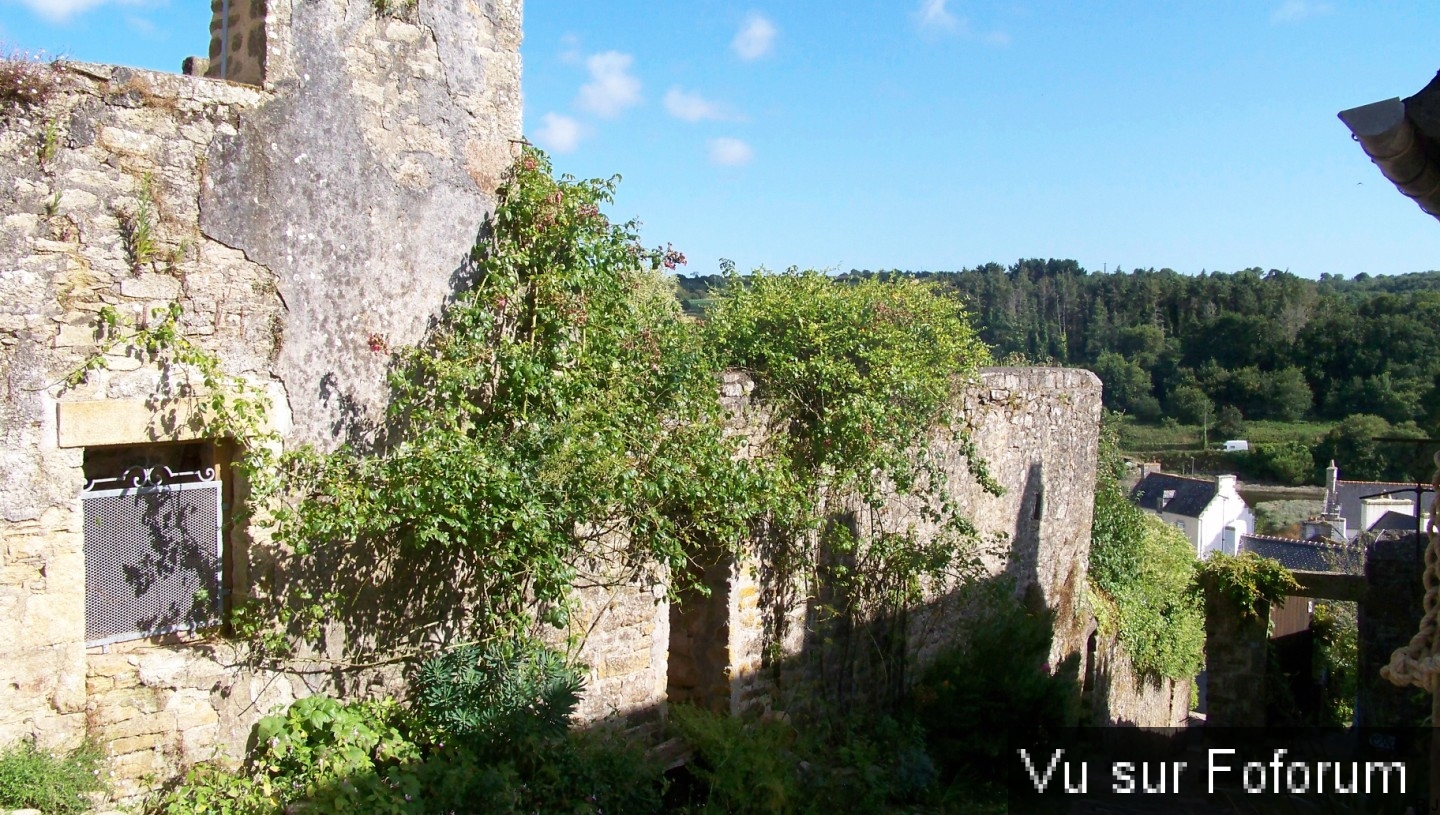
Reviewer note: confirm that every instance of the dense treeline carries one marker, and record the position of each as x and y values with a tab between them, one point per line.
1212	348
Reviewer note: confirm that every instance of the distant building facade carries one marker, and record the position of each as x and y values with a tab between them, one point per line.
1210	512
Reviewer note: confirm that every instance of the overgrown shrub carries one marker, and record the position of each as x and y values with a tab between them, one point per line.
861	384
1337	660
502	746
996	692
31	778
560	400
498	696
851	764
1248	581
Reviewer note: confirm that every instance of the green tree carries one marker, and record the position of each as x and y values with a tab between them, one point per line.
1355	446
1189	404
1288	463
1127	386
1230	423
1288	396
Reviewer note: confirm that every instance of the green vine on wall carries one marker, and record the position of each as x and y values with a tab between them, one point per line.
560	425
233	407
1251	582
561	414
860	385
1142	574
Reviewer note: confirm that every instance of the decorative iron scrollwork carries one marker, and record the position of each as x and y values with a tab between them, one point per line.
151	478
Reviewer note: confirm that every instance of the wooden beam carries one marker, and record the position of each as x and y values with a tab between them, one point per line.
1331	586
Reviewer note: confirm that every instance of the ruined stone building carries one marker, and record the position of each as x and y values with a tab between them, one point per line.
320	200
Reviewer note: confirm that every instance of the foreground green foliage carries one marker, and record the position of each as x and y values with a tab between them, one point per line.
995	692
1337	659
34	779
771	767
380	758
1143	571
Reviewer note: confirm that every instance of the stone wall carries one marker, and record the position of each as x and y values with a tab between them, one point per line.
296	223
1037	428
1236	659
301	224
1122	697
1387	618
127	141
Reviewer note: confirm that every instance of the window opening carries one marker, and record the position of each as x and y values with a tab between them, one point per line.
154	550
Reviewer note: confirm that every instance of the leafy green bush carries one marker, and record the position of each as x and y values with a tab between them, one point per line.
995	692
488	734
1247	580
860	383
771	767
1337	659
497	695
34	779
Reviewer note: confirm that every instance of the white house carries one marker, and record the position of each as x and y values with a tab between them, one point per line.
1209	511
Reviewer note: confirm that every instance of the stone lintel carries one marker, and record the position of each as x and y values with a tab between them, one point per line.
108	422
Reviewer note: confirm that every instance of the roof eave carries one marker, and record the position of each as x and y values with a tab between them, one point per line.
1402	138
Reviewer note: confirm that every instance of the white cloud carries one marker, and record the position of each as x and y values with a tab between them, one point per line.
570	49
728	152
1293	11
559	134
756	37
612	87
143	27
934	16
935	19
692	107
62	10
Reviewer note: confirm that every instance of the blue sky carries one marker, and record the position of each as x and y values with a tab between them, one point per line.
940	134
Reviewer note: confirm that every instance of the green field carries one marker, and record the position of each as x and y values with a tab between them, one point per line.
1135	436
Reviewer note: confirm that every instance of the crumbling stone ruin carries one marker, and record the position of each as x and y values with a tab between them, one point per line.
317	201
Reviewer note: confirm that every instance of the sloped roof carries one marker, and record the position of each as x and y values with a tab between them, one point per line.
1394	520
1350	495
1306	556
1191	496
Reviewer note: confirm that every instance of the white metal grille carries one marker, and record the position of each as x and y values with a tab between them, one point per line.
152	554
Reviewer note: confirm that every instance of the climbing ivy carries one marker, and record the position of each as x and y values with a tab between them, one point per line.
859	385
562	416
1142	573
231	406
1247	580
561	411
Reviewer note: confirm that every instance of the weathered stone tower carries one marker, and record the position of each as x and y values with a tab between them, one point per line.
320	198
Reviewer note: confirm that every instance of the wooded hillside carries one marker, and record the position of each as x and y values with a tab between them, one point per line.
1268	345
